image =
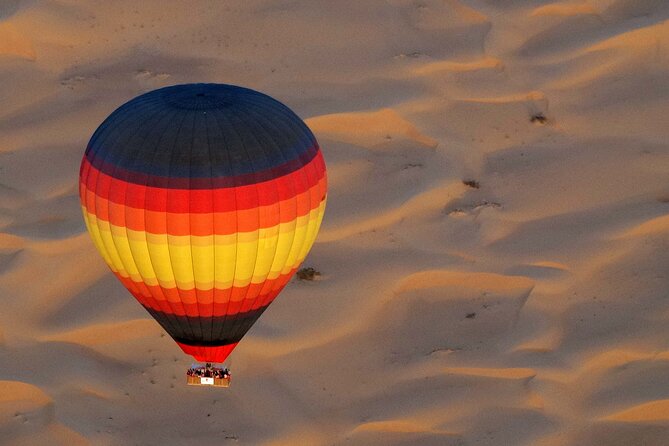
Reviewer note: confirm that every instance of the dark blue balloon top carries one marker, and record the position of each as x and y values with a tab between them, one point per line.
187	135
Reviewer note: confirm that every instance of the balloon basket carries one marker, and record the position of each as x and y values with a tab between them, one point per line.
207	375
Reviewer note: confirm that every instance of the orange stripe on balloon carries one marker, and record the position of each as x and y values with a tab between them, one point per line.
207	303
200	224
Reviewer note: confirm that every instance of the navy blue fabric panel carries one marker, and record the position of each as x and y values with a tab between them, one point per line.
200	130
133	176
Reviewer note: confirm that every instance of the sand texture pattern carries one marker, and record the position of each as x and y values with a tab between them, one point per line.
493	259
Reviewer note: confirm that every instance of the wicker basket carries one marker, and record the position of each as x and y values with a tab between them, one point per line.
204	381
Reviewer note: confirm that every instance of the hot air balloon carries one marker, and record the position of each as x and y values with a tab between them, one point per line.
203	199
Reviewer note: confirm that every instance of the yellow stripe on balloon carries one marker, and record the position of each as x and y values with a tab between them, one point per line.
205	262
314	226
97	241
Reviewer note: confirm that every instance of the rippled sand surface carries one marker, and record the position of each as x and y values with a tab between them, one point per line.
493	258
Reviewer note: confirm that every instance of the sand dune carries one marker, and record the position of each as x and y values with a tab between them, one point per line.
652	226
368	129
27	417
564	9
107	333
523	374
493	257
647	412
15	44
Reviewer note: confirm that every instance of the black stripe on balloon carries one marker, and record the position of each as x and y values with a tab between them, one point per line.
130	176
229	329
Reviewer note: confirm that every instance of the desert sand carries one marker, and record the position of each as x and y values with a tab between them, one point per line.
493	258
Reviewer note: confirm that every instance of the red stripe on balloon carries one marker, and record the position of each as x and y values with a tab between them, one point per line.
214	302
203	224
189	201
207	353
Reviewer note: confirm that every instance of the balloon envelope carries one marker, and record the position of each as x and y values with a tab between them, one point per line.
203	199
